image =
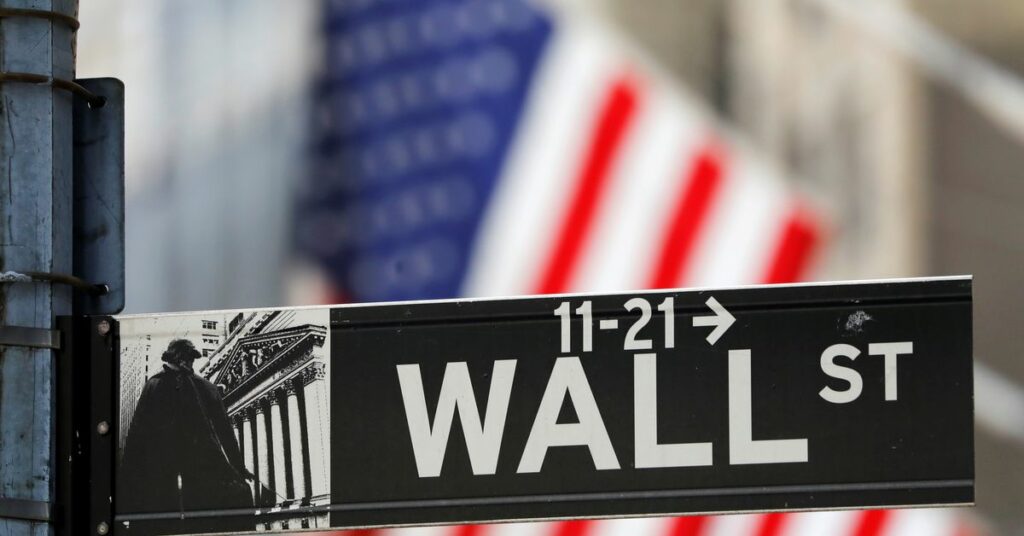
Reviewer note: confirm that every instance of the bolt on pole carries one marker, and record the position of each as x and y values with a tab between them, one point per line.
37	56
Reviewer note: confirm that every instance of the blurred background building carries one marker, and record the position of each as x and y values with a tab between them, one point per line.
900	122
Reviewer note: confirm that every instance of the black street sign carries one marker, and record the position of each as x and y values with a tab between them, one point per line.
788	397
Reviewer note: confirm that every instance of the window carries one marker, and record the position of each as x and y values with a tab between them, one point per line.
235	322
209	324
207	352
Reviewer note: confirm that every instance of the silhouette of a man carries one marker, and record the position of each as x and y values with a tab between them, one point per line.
181	455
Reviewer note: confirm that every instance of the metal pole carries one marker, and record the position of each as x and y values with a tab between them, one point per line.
35	235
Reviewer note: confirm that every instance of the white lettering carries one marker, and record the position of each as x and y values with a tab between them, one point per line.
483	441
851	376
890	350
742	448
645	413
568	377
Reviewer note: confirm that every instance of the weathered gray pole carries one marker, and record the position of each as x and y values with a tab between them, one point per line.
35	235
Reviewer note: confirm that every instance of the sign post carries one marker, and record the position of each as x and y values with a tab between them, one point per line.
791	397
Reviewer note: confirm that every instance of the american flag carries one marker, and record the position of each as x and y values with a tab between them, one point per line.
489	147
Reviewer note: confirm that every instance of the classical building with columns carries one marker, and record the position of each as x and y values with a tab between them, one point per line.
273	373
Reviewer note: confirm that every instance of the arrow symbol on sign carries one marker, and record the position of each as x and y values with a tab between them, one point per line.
721	320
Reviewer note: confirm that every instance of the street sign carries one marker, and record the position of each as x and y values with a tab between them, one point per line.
789	397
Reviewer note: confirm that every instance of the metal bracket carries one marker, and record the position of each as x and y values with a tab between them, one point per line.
29	337
86	386
94	100
25	509
98	249
46	14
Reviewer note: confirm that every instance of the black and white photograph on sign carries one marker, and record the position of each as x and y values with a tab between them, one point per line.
225	411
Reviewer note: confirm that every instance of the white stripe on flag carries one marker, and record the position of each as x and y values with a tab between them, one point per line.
922	522
650	526
822	523
530	199
737	246
732	525
520	529
416	531
645	184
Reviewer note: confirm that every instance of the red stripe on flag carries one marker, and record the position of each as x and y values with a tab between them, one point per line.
771	524
578	527
870	523
688	526
703	182
617	112
800	236
468	530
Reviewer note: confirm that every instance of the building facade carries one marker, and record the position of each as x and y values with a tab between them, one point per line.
273	373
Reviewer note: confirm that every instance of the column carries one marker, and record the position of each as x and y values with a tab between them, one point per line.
289	452
316	391
236	424
278	440
300	455
271	474
307	480
251	446
263	463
